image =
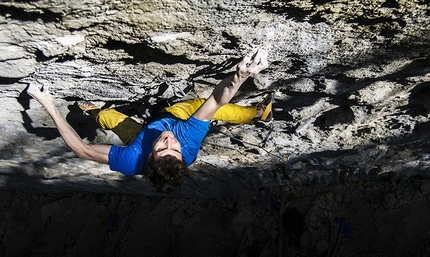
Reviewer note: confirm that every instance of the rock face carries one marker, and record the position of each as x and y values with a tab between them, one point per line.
351	80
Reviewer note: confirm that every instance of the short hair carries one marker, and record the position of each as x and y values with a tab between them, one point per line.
166	173
261	189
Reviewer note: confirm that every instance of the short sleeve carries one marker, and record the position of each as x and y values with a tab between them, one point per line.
191	134
131	159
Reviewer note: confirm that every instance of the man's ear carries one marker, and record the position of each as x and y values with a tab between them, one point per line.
150	155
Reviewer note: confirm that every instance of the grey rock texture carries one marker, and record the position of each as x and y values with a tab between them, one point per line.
351	79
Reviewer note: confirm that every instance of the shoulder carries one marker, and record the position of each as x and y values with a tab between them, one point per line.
196	122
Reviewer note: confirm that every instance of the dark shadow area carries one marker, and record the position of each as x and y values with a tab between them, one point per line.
40	57
233	41
312	16
321	2
340	115
386	31
343	114
9	81
421	138
419	104
391	4
144	53
419	100
37	183
286	9
21	14
84	124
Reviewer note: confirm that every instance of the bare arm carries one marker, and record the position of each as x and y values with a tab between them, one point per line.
98	153
224	91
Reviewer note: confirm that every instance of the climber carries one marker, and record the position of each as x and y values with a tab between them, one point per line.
163	149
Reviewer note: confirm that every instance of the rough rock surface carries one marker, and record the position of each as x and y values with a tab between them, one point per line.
351	83
351	80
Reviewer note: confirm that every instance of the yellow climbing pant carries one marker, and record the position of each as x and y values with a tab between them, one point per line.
231	113
127	129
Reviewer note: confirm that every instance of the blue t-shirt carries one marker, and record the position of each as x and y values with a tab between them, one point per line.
131	159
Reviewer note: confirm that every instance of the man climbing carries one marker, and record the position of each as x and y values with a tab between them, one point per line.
163	149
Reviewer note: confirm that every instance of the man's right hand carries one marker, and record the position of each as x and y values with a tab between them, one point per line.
224	91
251	64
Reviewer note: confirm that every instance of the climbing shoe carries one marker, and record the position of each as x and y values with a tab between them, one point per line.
87	106
266	105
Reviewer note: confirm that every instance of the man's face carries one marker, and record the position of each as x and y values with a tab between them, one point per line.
166	144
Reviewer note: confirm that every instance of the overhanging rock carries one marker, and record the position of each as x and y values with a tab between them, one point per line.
351	84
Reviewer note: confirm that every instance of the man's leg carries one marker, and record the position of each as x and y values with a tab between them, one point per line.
185	109
125	127
236	114
231	113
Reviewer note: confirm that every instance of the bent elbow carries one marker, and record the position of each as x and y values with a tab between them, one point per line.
83	155
84	152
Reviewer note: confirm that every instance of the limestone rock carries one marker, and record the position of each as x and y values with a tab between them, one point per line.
350	79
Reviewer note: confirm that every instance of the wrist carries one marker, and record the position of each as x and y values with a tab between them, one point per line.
237	80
